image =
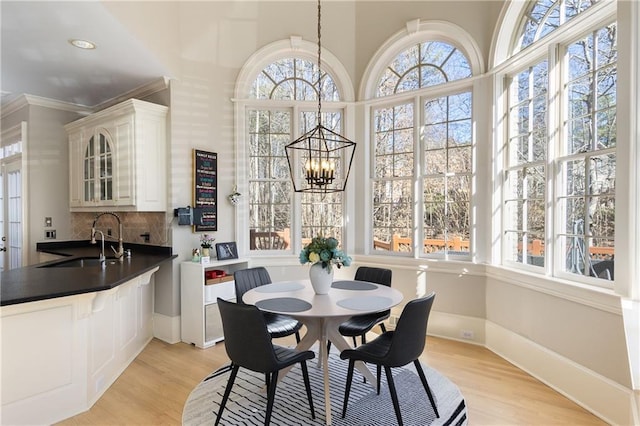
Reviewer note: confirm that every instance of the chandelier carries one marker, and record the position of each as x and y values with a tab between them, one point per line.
324	157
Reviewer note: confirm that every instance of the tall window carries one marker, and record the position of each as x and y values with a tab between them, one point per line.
289	88
588	157
436	159
560	163
526	173
447	174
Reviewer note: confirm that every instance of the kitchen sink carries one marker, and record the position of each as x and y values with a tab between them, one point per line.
82	262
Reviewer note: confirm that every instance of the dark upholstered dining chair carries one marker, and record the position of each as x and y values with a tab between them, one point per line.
395	348
249	345
278	325
360	325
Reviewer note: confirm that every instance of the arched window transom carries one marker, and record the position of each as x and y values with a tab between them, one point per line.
423	65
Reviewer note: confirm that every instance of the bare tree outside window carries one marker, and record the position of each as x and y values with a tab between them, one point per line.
444	155
589	161
544	17
447	172
525	178
272	206
575	149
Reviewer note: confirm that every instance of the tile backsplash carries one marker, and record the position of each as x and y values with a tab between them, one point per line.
134	225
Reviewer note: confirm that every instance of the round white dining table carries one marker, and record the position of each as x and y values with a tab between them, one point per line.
323	314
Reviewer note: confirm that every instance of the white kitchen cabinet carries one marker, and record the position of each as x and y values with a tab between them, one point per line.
117	158
200	317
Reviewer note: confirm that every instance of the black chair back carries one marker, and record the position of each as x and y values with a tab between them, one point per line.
374	275
410	333
246	339
396	349
248	344
246	279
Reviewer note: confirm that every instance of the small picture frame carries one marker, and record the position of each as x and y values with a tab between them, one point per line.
226	251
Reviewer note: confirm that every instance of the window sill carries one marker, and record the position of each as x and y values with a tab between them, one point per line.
597	297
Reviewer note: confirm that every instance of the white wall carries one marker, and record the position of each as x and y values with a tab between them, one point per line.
46	173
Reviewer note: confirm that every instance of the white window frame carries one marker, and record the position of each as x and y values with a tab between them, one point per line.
415	32
296	47
552	47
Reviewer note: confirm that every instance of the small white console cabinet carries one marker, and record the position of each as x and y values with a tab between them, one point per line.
200	318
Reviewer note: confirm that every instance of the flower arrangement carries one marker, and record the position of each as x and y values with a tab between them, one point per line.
324	250
206	240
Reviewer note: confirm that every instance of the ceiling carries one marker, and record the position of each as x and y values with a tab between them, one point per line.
37	58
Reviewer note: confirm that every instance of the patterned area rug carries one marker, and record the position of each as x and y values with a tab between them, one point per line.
247	402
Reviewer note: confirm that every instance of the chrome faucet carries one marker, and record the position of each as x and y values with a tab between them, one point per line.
102	258
120	252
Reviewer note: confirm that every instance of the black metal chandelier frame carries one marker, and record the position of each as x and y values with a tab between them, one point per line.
320	151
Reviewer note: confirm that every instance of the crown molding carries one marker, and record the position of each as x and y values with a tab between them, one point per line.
140	92
32	100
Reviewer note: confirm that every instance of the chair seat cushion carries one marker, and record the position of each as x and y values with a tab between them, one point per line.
360	324
288	356
374	352
281	325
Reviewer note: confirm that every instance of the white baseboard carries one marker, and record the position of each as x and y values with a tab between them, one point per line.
603	397
166	328
457	327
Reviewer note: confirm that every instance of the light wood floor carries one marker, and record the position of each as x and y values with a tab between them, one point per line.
154	388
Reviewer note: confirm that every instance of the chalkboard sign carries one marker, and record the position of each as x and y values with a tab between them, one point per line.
205	190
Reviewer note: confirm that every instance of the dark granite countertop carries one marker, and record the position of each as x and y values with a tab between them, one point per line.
39	282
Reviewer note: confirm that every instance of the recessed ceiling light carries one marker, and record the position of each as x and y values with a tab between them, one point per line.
82	44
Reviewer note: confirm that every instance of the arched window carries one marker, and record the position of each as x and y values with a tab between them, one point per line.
281	103
543	17
422	145
560	166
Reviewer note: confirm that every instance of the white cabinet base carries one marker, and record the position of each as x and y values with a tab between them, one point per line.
60	355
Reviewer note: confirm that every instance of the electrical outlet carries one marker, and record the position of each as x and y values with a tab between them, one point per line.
466	334
50	235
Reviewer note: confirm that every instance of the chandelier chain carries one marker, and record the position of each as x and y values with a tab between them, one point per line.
319	68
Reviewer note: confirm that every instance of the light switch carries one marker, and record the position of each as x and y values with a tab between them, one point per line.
48	222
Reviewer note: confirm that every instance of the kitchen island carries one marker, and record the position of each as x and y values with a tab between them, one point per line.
69	332
46	281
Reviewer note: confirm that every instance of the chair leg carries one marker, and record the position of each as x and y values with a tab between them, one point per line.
363	340
347	389
297	337
378	371
328	346
394	394
383	328
423	379
355	343
227	391
307	385
271	394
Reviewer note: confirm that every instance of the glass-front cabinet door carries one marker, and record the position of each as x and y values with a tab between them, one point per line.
117	158
98	169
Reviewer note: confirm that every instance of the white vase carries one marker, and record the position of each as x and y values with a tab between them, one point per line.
321	278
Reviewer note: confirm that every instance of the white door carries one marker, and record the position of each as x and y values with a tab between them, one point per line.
11	199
